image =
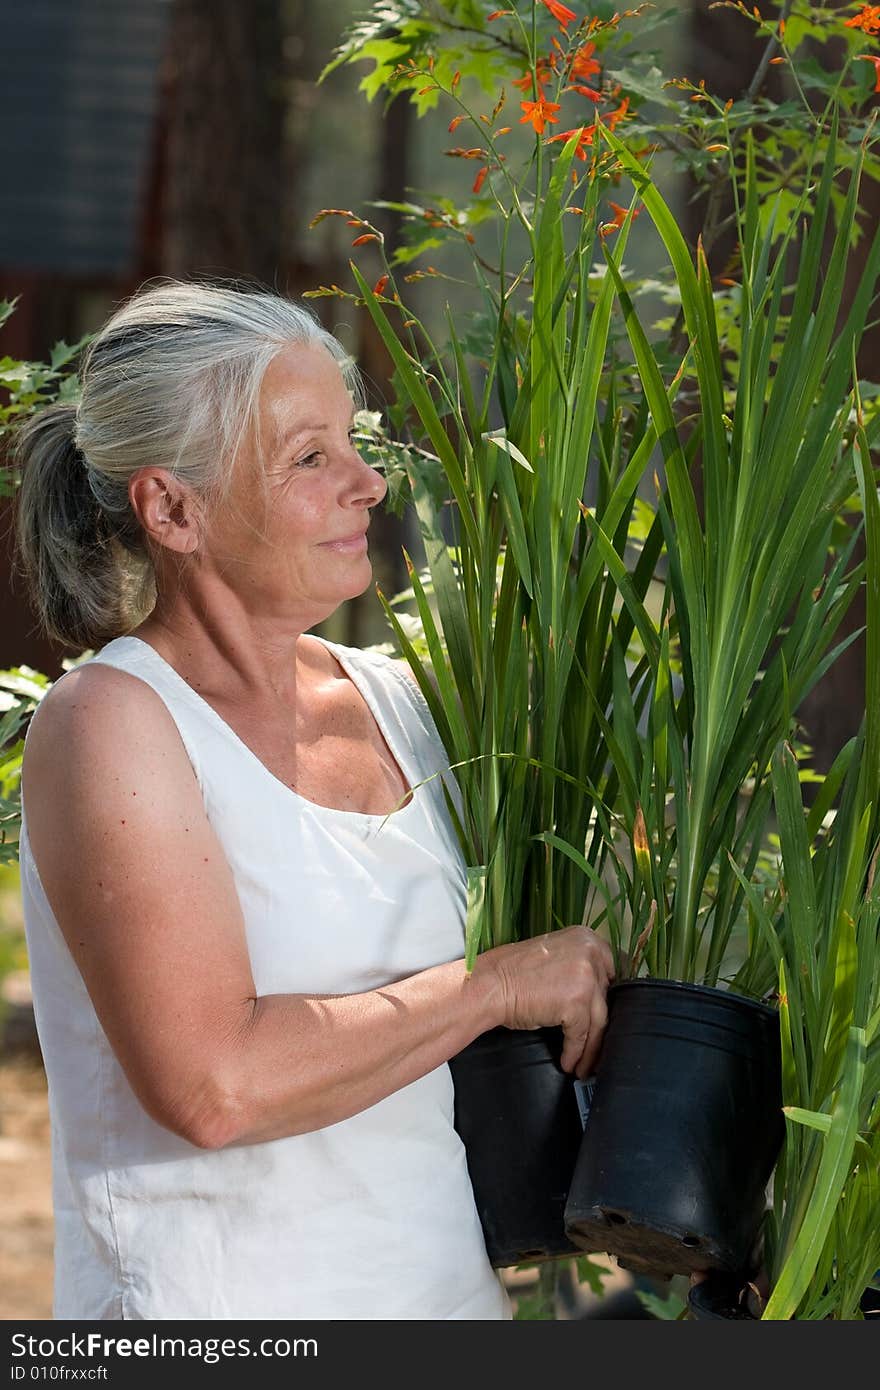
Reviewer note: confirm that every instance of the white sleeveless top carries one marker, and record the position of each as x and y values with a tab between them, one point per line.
369	1218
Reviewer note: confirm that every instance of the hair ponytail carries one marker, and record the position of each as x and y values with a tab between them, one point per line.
64	547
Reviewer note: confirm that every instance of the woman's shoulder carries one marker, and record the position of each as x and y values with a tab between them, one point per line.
97	732
93	682
92	705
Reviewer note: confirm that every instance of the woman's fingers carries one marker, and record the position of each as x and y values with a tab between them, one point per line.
582	1045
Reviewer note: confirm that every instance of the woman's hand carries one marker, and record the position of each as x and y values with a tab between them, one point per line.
559	978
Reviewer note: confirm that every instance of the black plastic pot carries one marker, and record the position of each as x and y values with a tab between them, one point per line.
724	1297
720	1298
685	1127
517	1114
870	1304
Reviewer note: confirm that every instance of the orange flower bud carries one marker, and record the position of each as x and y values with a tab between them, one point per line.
641	847
561	13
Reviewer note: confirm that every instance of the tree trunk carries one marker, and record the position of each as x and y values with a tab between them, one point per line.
223	213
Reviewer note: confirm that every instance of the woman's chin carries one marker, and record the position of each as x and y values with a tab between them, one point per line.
352	588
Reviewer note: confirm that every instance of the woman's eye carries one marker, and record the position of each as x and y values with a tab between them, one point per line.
310	461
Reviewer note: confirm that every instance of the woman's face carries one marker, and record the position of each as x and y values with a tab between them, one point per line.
296	546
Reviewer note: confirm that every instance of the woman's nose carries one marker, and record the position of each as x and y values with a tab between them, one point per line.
371	485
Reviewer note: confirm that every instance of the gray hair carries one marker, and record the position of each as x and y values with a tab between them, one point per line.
172	380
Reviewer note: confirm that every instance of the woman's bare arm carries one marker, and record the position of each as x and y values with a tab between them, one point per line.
147	903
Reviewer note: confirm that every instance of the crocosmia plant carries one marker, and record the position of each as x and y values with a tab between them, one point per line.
640	534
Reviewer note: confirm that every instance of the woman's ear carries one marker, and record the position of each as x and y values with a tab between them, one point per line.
168	512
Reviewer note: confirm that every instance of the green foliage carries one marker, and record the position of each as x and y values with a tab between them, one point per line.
823	927
13	947
822	924
401	34
772	479
671	1308
28	386
540	1303
21	690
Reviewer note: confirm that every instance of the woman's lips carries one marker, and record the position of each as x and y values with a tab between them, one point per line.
353	545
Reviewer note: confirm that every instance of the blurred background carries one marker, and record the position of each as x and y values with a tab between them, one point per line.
180	137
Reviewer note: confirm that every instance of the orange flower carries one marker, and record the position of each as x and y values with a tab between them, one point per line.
620	214
561	13
585	139
586	92
481	178
540	113
380	285
497	14
543	71
613	117
867	19
583	64
876	61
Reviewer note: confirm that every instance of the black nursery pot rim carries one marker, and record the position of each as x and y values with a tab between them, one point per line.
713	992
511	1036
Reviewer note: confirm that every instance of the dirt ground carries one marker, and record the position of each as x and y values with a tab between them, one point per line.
25	1191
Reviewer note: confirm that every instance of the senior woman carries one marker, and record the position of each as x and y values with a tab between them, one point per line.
247	982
